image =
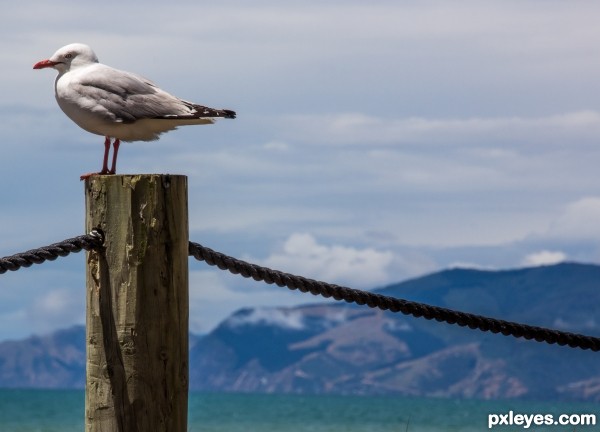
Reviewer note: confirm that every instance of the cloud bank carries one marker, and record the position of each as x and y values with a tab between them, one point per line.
374	142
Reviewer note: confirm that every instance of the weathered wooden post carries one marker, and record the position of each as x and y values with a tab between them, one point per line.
137	304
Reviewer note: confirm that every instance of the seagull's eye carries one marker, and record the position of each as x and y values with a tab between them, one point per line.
68	56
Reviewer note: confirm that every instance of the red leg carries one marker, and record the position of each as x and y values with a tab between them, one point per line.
116	145
104	160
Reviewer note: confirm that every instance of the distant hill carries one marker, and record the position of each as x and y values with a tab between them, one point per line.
348	349
341	348
55	360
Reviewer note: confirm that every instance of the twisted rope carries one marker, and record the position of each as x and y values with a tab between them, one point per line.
95	239
88	242
350	295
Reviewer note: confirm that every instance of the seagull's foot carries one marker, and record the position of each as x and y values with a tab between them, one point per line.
88	175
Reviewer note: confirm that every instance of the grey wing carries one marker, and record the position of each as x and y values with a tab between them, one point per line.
121	96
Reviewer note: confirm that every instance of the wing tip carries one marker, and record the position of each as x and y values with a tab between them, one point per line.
230	114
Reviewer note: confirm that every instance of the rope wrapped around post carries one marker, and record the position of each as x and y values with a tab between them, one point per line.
90	241
373	300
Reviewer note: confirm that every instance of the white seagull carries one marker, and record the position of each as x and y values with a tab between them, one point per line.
118	104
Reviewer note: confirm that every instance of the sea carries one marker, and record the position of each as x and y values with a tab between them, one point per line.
63	411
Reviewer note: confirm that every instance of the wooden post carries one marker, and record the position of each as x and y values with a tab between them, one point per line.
137	304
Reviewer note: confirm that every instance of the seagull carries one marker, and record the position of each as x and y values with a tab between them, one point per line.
116	104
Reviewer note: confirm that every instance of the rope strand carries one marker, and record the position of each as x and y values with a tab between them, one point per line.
90	241
95	240
373	300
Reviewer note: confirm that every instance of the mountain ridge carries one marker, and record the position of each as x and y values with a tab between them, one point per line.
348	349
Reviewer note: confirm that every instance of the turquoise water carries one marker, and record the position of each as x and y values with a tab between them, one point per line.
62	411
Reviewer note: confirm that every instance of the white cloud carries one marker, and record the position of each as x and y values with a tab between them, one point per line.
210	299
303	255
577	324
366	130
206	286
544	257
56	309
53	303
469	266
216	294
276	146
292	319
580	220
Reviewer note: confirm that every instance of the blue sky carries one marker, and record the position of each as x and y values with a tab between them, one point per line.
374	142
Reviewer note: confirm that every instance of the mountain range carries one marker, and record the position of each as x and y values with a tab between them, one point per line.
342	348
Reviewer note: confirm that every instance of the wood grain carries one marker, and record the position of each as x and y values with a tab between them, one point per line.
137	304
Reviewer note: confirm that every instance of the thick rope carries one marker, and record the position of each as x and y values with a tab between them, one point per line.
88	242
95	239
350	295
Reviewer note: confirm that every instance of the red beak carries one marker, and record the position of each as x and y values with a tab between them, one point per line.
44	64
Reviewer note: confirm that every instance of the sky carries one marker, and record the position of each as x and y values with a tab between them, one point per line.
375	142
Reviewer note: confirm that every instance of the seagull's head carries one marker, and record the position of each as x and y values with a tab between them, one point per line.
69	57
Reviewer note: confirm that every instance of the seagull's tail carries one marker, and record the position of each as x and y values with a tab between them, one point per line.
203	111
212	112
199	114
229	113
